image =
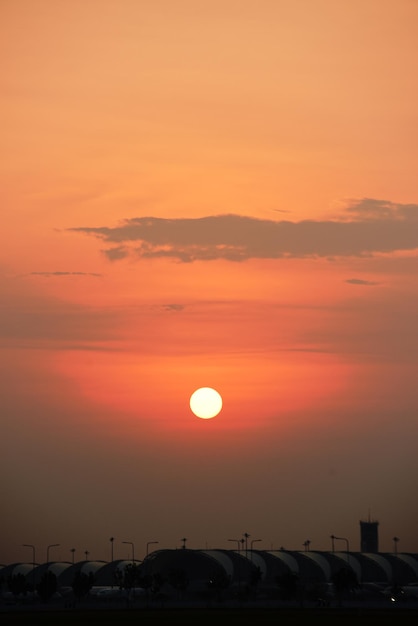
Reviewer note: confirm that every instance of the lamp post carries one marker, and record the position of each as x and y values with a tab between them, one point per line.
73	553
148	545
133	549
52	545
112	539
251	546
238	542
307	543
29	545
346	543
395	564
246	535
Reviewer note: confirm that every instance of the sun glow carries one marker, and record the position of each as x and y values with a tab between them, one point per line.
205	402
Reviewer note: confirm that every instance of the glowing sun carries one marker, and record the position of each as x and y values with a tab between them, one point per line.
206	402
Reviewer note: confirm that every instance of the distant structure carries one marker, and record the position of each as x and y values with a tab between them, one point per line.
369	538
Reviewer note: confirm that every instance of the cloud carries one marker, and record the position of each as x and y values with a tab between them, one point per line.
116	254
366	227
359	281
174	307
48	274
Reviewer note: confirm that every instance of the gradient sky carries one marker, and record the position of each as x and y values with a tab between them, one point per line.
208	193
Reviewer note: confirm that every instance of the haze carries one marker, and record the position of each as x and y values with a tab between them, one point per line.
215	194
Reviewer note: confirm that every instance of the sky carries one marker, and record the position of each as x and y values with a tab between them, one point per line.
214	194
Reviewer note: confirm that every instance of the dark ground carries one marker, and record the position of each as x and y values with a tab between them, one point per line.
204	617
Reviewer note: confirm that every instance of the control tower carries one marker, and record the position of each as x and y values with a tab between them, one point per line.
369	538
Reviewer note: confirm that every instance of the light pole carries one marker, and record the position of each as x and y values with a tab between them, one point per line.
112	539
246	535
29	545
346	543
52	545
307	543
238	542
184	543
251	546
73	553
395	545
133	549
148	545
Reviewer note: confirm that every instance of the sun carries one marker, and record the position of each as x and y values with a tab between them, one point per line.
206	402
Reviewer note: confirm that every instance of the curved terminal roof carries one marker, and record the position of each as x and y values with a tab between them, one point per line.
107	574
201	565
338	560
17	568
321	561
382	563
55	568
197	564
311	566
224	560
258	561
286	558
409	560
66	577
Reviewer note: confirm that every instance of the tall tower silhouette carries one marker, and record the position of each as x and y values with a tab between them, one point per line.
369	538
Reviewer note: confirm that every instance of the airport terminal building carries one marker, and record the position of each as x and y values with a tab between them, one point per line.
220	574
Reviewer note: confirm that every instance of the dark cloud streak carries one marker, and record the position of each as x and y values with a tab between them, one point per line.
49	274
367	227
359	281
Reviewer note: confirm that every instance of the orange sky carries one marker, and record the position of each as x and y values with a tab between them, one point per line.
208	194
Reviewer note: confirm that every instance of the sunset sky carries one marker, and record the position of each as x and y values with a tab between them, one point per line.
214	193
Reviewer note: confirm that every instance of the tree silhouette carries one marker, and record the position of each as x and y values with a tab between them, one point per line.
179	580
344	580
157	582
82	584
47	586
218	583
128	578
17	584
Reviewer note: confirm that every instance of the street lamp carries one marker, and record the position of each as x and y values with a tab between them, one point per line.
238	542
73	552
29	545
395	545
133	549
52	545
184	543
148	544
112	539
251	547
246	535
346	543
307	543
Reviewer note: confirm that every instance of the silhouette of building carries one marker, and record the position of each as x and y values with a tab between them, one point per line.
369	537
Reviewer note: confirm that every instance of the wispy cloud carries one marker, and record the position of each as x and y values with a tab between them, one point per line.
174	307
359	281
49	274
366	227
